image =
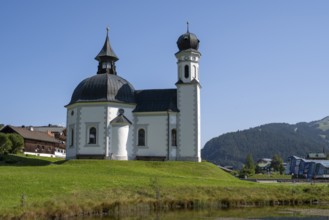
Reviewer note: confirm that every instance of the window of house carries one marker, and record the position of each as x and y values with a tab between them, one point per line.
141	137
186	71
92	135
173	137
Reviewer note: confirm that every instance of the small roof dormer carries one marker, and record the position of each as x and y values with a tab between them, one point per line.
106	57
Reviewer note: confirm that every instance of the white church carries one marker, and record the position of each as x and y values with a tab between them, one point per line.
108	119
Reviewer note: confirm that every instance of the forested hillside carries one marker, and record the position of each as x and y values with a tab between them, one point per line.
266	140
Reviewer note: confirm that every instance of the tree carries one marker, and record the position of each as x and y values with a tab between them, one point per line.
5	144
17	143
258	169
249	167
277	163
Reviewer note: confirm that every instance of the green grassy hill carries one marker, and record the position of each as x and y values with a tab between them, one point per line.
41	187
38	181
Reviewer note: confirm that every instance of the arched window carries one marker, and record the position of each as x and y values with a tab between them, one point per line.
195	72
92	135
186	72
173	137
141	137
72	137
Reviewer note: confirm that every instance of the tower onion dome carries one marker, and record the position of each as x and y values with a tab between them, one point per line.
188	41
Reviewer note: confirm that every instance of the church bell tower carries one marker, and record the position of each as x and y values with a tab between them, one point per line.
188	98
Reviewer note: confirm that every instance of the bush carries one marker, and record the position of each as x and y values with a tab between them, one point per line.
5	144
17	143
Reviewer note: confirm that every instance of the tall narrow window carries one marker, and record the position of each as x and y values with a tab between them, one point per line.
186	72
141	137
195	72
92	135
72	137
173	137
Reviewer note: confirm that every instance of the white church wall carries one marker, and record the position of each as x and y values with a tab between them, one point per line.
92	116
173	125
189	122
120	138
156	127
113	112
71	144
198	127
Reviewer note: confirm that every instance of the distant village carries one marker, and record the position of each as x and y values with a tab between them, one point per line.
50	141
45	141
312	166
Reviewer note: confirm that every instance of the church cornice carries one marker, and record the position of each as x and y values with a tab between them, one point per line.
109	104
163	113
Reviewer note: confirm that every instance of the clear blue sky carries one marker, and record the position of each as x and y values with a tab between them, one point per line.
262	61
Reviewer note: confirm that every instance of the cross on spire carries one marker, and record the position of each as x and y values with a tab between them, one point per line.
106	57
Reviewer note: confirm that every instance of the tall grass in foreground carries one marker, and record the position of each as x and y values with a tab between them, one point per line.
38	187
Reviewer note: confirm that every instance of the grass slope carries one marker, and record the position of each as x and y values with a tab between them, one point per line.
36	186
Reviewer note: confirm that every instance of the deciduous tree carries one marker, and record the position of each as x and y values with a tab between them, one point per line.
249	167
5	144
17	143
277	163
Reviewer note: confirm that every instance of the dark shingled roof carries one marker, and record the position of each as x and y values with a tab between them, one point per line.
107	51
104	88
156	100
27	134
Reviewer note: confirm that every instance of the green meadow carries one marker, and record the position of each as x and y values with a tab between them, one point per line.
33	187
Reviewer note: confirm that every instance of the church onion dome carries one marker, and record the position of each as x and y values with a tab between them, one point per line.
104	88
188	41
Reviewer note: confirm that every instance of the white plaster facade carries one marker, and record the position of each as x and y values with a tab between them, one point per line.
165	126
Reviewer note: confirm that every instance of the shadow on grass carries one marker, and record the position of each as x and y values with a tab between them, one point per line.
18	160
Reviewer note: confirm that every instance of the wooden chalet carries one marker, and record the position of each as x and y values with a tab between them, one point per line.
37	142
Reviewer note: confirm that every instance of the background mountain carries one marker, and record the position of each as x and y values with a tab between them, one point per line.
266	140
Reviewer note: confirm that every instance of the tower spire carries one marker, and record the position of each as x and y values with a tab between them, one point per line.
106	57
187	25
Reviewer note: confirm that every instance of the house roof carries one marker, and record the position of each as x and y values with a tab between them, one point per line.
27	134
264	160
295	157
156	100
51	128
324	163
316	156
